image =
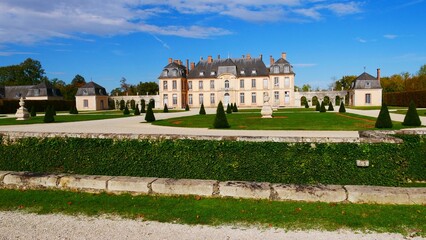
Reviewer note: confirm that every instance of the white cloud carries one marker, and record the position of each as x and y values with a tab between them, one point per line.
302	65
11	53
361	40
390	36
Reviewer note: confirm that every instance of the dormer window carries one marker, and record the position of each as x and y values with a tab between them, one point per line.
242	72
85	92
367	85
201	73
286	69
276	69
174	72
253	71
165	72
212	73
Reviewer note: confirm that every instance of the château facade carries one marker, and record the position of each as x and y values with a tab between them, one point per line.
244	81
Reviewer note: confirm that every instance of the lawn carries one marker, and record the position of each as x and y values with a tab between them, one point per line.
421	112
215	211
283	120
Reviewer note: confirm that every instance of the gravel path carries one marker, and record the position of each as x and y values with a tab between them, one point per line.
18	225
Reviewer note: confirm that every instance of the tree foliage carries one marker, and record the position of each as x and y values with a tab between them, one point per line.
342	108
29	72
220	121
137	112
384	120
228	109
412	117
149	116
330	107
49	115
202	110
322	108
143	106
166	109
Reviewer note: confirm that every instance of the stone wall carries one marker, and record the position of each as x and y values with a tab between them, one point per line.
213	188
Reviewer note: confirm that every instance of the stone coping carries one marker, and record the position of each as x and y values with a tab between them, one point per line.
213	188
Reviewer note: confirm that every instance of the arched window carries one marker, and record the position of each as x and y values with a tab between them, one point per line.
226	84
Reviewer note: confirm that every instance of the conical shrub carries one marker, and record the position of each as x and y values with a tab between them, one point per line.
220	120
322	108
166	109
330	107
384	120
342	108
228	109
306	104
33	112
235	109
318	107
149	116
187	107
412	117
202	110
126	111
137	112
143	106
48	115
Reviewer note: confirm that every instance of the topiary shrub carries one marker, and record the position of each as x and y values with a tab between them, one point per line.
318	107
412	117
330	107
322	108
306	104
220	120
122	104
342	108
137	112
48	115
235	109
143	106
384	120
33	112
202	110
132	104
52	108
149	116
126	111
187	107
73	110
166	109
228	109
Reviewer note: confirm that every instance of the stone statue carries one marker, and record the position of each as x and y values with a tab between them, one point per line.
22	113
266	109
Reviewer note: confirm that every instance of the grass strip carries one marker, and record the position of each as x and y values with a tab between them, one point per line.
402	219
61	118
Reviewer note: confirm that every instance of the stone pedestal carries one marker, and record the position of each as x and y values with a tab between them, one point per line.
266	109
22	113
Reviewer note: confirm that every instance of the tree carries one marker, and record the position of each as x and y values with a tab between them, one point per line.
124	86
228	109
48	115
202	110
306	87
322	108
235	109
422	71
29	72
126	111
137	112
143	106
342	108
384	120
149	116
412	117
220	120
344	83
186	107
165	108
147	87
330	107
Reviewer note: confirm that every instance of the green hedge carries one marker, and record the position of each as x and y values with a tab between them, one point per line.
10	106
402	99
301	163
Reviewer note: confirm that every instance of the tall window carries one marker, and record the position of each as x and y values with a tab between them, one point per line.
277	96
212	98
174	84
242	98
368	98
286	69
286	82
190	101
201	98
253	83
85	103
211	84
226	84
165	99
242	83
165	85
174	99
190	85
265	83
200	84
276	82
276	69
253	97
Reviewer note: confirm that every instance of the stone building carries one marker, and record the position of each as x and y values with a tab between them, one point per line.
244	81
91	96
366	90
42	91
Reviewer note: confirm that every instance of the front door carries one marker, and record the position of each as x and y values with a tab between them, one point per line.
226	99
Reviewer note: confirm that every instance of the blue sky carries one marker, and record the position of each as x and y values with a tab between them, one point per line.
105	40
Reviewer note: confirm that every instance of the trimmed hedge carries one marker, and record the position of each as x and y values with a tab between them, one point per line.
402	99
298	163
10	106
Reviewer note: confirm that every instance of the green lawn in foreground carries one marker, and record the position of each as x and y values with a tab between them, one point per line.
63	118
215	211
310	120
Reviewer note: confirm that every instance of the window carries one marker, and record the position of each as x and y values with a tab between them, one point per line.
201	98
242	98
211	84
85	103
174	99
286	82
174	84
201	73
165	72
174	72
200	85
212	73
253	97
253	83
190	101
165	99
165	85
276	69
286	69
277	96
190	85
287	97
226	84
212	98
242	72
276	82
253	71
242	83
368	98
367	85
265	83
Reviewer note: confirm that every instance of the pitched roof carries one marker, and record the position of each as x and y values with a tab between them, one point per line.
91	89
366	81
173	70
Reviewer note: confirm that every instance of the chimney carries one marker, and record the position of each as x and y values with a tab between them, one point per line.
378	74
209	59
248	56
180	62
187	66
176	61
218	56
284	55
271	60
170	60
261	56
192	65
